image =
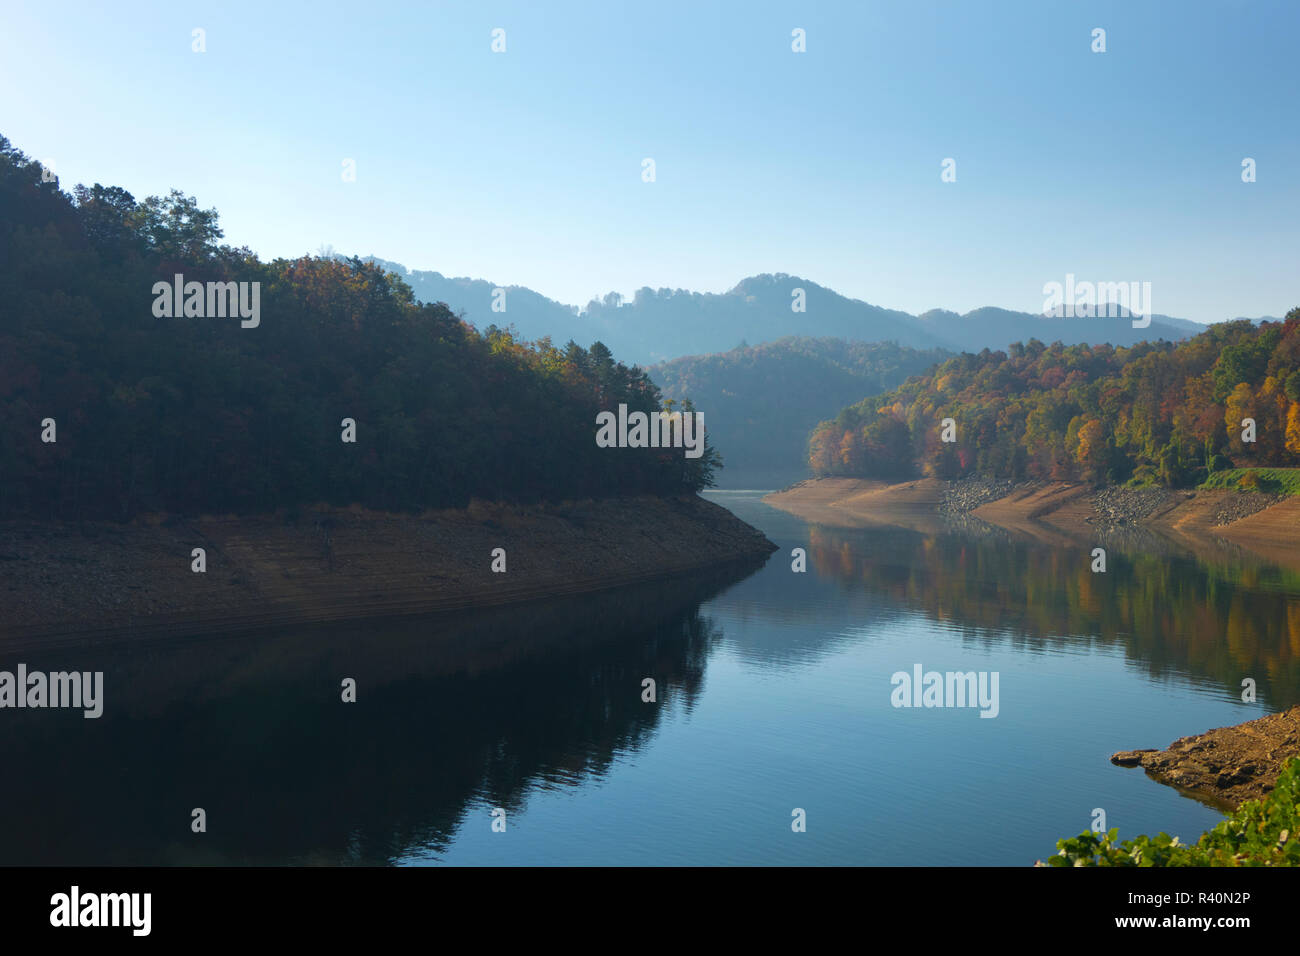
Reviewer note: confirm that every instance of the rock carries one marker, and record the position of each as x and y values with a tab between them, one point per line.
1130	758
1226	766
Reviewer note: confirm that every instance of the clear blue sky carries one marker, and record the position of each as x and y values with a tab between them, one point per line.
525	167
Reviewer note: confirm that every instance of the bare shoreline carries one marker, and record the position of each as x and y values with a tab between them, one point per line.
64	585
1060	513
1226	766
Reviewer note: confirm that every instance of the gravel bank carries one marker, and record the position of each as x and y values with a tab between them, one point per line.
964	496
1112	508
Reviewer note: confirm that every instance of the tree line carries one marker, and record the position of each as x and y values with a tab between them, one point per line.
188	415
1154	413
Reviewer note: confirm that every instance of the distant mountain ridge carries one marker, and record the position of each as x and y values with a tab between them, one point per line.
656	325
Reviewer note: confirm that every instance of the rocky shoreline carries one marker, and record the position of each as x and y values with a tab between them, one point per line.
963	497
65	584
1226	766
1114	507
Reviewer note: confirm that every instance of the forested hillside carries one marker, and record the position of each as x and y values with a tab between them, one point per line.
1153	413
761	401
203	414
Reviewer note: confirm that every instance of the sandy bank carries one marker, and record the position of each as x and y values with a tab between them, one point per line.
1059	512
854	502
1273	532
61	585
1228	765
1041	511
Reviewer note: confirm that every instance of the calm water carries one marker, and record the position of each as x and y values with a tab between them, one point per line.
774	693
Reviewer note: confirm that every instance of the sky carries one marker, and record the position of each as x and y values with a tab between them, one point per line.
525	167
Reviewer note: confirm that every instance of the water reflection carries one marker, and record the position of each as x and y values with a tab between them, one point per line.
253	731
538	709
1175	613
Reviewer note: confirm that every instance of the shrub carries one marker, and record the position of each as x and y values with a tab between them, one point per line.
1283	480
1259	833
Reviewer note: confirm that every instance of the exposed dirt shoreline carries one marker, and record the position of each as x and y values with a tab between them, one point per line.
64	585
1226	766
1059	512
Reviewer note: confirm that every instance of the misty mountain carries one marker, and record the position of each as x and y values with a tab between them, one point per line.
666	323
761	402
993	328
533	315
656	325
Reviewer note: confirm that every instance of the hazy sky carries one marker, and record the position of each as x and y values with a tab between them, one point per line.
525	167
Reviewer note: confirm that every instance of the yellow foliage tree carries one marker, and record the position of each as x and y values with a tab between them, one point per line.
1090	441
1293	428
1241	405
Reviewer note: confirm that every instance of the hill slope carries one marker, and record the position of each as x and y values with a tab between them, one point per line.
1157	412
760	402
111	406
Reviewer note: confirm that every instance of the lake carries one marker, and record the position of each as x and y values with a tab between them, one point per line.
773	693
